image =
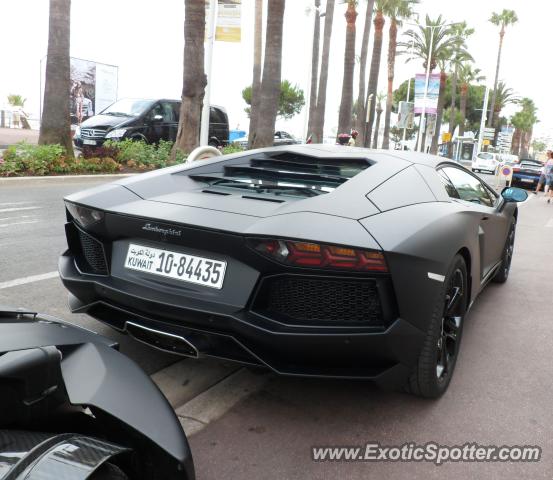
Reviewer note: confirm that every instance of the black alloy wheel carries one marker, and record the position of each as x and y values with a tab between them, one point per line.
505	267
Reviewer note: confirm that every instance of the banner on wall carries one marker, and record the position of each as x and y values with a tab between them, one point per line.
406	115
93	87
432	93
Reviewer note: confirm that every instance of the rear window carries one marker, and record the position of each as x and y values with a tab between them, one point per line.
485	156
286	174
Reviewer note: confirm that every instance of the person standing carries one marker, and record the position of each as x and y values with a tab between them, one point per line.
541	181
548	172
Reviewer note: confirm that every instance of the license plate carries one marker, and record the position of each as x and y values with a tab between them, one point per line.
527	180
180	266
89	142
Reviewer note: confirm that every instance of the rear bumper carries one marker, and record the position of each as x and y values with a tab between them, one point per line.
385	356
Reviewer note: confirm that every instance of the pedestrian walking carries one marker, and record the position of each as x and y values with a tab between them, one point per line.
548	172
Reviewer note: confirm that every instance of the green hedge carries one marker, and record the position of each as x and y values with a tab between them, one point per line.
125	156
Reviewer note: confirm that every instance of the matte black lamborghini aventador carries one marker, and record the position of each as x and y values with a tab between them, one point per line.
311	260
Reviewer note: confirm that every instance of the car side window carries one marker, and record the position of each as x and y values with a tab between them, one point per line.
176	110
469	187
167	112
216	116
156	110
449	188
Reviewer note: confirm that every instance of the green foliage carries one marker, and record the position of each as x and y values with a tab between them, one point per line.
526	118
290	102
143	156
16	100
232	148
26	159
31	159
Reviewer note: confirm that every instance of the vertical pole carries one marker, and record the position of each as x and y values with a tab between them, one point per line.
422	125
483	120
307	105
211	22
408	96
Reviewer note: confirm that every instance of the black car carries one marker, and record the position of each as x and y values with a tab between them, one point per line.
311	260
72	408
527	173
147	120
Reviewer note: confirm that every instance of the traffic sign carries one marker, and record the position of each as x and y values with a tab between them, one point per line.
446	137
486	142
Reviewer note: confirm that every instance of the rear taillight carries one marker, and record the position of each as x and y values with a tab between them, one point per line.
516	169
307	254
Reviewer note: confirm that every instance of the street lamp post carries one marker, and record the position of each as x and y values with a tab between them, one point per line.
211	24
408	96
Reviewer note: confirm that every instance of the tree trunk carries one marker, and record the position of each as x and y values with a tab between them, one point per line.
463	108
377	126
515	148
318	127
424	134
194	78
270	84
494	95
257	55
392	46
439	114
55	126
361	98
379	22
344	117
526	138
314	69
452	105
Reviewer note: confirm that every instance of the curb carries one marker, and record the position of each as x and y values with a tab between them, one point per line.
70	177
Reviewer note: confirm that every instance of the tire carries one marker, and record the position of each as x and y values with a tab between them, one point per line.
503	272
436	364
214	143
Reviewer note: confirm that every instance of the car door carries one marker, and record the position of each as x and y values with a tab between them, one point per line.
218	127
481	202
153	123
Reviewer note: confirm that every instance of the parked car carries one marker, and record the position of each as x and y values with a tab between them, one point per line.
527	173
311	260
147	120
281	138
73	408
485	161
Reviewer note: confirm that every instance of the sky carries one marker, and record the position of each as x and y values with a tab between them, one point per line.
145	39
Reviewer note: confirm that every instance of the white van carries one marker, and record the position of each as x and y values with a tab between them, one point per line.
486	161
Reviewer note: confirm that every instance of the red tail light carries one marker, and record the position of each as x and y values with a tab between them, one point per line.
306	254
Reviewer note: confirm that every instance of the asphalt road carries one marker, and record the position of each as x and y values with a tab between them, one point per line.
501	393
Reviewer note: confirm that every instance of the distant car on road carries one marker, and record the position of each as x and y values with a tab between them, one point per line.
147	120
527	173
281	138
487	162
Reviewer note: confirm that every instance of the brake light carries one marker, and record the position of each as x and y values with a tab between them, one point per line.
308	254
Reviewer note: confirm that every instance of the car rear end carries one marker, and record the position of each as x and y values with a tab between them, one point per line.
228	265
485	162
527	173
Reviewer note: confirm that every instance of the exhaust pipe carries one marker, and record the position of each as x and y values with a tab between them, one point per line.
166	342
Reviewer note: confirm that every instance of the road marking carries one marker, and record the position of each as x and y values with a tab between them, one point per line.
4	225
16	218
5	204
219	399
31	279
550	223
18	209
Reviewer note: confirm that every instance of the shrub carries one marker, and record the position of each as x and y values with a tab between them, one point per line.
31	159
139	154
232	148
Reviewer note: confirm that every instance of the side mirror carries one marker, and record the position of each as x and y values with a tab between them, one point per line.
157	118
513	194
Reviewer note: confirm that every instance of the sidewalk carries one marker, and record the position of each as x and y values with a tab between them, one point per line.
9	136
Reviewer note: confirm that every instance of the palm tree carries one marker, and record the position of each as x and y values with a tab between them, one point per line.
503	19
379	22
396	10
504	97
270	83
314	68
524	122
444	42
462	32
467	75
380	97
344	116
55	126
194	78
257	54
440	109
318	124
360	111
